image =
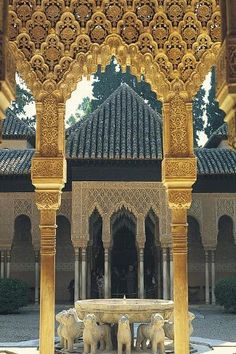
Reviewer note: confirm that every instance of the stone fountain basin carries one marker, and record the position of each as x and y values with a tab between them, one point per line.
138	310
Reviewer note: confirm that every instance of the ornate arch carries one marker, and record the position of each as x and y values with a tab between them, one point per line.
59	42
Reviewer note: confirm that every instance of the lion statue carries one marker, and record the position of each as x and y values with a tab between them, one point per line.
153	332
94	334
124	335
70	328
169	326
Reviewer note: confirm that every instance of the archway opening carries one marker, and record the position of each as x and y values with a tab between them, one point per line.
152	262
64	262
96	257
124	255
196	261
226	249
22	254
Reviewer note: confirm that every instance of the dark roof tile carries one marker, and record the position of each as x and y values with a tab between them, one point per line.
15	128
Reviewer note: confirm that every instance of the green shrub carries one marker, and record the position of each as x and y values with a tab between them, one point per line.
13	295
225	292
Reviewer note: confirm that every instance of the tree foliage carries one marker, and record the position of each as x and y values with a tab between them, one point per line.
215	116
82	112
13	295
106	83
23	99
199	106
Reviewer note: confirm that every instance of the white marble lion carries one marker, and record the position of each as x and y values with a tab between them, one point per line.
124	335
94	334
152	332
70	328
169	326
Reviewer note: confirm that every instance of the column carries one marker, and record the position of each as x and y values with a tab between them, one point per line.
213	299
47	280
141	273
207	292
171	273
106	273
83	265
109	275
36	277
2	264
76	294
8	257
159	294
165	275
179	237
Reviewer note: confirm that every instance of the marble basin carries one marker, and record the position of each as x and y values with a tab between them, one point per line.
138	310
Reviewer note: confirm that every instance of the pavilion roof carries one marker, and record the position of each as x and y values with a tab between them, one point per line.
218	135
124	126
15	128
210	161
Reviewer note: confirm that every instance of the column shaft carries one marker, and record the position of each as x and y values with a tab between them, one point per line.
83	295
141	273
2	264
181	323
165	275
213	274
36	278
47	281
106	275
76	294
171	274
8	256
207	292
159	273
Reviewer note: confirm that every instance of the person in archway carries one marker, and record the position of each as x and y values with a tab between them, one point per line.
131	281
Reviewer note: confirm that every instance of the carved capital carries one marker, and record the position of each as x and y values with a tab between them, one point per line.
46	200
179	198
43	167
179	171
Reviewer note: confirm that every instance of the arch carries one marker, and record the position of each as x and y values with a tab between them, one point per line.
226	248
152	251
64	260
123	205
124	260
22	253
131	36
196	261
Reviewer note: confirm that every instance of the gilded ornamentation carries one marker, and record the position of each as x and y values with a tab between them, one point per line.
47	167
48	200
189	30
180	167
179	199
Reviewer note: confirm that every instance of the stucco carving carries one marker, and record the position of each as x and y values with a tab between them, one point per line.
22	206
226	207
162	40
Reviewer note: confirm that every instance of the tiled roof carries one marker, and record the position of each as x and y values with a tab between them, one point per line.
220	134
15	128
216	161
210	161
122	127
15	162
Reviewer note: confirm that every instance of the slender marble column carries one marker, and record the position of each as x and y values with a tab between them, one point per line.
165	274
159	273
213	272
171	274
207	292
106	273
76	293
36	277
141	273
84	273
2	264
8	255
109	274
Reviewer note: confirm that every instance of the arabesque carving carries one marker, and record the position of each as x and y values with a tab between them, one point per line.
57	38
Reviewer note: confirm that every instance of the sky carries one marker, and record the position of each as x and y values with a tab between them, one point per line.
84	89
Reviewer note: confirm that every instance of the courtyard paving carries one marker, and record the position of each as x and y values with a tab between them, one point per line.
211	322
